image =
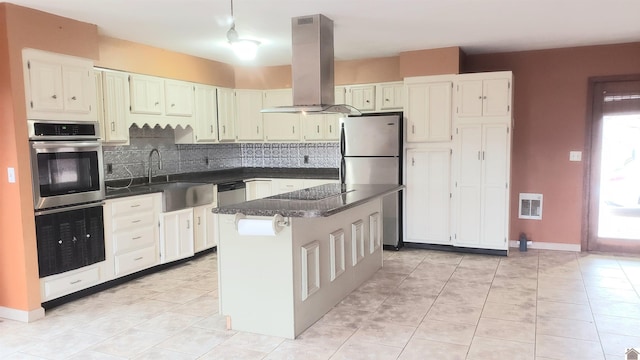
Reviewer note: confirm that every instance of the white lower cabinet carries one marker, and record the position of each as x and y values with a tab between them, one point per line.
176	235
136	260
482	185
55	286
204	230
131	231
427	196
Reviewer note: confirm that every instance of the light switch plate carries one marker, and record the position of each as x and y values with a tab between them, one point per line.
11	172
575	155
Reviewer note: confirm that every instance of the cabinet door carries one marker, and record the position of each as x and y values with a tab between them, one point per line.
258	189
226	114
469	98
115	89
45	82
176	235
77	88
206	113
391	96
482	204
496	96
332	128
428	196
428	112
280	127
495	192
363	97
204	231
179	98
248	115
147	95
314	126
468	185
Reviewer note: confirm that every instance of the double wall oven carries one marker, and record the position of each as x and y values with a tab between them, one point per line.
68	194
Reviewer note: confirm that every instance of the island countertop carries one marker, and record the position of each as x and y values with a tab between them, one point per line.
319	201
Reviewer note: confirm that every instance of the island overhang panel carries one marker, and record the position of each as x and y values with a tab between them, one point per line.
280	282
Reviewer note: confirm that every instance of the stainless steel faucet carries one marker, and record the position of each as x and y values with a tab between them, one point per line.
154	150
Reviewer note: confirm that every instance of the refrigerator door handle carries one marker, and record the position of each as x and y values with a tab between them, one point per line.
343	171
342	140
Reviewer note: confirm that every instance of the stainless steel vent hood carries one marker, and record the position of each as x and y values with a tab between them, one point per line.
312	68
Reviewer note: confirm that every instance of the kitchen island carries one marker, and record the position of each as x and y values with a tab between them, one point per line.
284	261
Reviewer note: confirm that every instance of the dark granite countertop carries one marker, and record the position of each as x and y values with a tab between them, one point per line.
318	201
139	186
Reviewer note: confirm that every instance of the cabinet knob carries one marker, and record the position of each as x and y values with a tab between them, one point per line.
157	103
367	101
479	97
173	105
54	96
211	127
387	100
73	98
113	126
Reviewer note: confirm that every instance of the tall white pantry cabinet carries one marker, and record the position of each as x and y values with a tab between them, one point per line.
457	160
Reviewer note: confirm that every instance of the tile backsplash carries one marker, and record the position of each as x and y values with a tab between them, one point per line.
133	160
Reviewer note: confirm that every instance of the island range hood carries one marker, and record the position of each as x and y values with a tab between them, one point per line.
312	68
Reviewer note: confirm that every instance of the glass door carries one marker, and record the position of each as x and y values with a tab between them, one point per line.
614	206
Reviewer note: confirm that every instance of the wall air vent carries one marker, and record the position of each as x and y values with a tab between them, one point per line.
530	206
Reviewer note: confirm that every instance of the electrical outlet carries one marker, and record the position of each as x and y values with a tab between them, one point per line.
306	159
109	168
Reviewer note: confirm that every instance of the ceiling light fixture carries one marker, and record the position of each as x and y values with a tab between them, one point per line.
245	49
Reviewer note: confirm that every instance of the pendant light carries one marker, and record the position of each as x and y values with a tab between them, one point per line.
245	49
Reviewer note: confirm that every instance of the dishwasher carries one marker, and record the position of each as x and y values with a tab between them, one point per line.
231	193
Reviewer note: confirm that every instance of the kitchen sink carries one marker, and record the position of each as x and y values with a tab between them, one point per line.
180	195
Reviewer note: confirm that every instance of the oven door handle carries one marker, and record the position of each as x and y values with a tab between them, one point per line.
68	208
56	145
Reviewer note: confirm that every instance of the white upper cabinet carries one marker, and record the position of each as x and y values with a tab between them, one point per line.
226	115
147	95
278	126
59	87
179	98
248	116
484	94
428	108
206	114
390	96
113	106
362	97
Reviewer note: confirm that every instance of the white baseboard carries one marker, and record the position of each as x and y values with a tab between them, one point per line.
21	315
547	246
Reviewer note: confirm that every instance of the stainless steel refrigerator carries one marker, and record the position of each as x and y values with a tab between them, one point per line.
371	149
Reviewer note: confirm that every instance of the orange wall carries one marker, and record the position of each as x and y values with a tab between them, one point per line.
22	27
431	62
550	110
143	59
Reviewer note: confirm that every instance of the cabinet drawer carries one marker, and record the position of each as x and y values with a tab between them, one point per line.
142	219
131	206
71	283
135	260
124	241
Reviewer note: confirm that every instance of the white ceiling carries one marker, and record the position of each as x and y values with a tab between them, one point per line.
362	28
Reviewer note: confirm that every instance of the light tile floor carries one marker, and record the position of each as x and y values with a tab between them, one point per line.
421	305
